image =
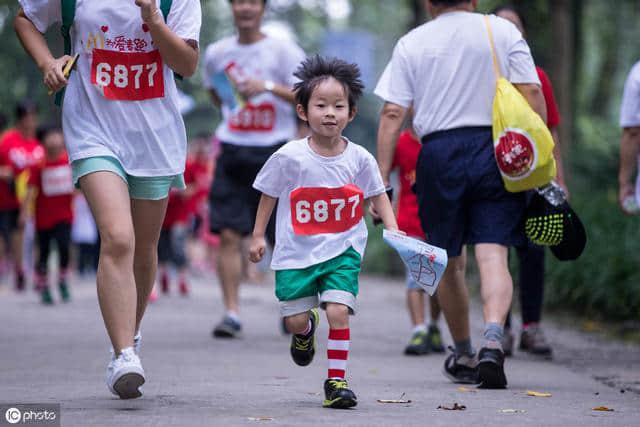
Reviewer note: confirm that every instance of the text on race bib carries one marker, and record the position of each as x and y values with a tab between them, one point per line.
254	118
128	76
317	210
57	181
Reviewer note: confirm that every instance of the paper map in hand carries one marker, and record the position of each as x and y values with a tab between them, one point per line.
426	263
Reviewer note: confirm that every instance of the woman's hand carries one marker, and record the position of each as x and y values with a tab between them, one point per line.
148	10
54	79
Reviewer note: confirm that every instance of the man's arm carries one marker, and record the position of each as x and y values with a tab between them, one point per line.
391	120
215	98
253	87
534	96
629	150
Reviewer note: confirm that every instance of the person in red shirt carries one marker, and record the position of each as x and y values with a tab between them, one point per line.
424	338
531	256
175	231
51	187
19	151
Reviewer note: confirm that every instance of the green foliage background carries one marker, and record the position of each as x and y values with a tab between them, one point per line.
605	282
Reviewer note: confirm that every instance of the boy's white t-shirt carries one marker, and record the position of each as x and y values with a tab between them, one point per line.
121	100
266	119
320	208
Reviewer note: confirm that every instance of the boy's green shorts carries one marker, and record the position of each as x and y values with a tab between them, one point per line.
334	280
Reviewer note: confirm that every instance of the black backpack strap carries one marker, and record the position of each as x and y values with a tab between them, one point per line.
165	8
68	8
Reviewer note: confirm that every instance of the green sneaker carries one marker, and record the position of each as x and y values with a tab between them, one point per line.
303	347
45	296
337	394
434	339
418	345
64	291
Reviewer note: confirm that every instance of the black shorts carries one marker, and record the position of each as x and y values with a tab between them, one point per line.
461	197
172	246
233	200
8	224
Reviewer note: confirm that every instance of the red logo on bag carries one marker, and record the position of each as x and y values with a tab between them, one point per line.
317	210
128	76
515	153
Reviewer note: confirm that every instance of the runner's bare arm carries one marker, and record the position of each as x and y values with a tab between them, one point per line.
25	207
35	44
629	150
253	87
180	55
215	98
383	208
534	96
391	119
258	242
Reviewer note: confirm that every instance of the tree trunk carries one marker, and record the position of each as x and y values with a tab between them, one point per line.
564	24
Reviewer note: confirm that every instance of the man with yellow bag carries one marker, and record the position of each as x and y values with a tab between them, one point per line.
445	70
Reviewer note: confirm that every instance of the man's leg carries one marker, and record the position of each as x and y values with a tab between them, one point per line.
229	274
454	301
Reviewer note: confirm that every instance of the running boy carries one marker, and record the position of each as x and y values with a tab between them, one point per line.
322	182
51	186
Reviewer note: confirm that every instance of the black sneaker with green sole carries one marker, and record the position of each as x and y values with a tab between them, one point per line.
303	347
434	339
45	296
418	345
337	395
64	291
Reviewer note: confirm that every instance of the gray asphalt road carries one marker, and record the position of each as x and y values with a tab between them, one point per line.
59	354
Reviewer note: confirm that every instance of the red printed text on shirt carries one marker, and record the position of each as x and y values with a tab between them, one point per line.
317	210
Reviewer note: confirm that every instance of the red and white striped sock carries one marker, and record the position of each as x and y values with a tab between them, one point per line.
338	352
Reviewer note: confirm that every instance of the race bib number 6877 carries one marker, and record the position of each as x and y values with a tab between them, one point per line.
316	210
128	76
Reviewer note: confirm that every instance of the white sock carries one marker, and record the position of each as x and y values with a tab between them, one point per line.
233	315
419	328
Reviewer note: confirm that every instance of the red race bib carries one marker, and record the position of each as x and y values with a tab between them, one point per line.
317	210
128	76
254	118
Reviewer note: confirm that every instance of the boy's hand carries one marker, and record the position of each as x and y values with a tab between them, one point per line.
148	10
257	248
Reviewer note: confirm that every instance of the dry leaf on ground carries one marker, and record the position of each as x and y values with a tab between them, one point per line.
467	390
393	401
260	419
538	394
512	411
455	407
603	408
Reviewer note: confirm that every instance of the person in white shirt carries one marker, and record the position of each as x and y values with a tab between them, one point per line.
630	144
126	140
444	69
250	78
321	183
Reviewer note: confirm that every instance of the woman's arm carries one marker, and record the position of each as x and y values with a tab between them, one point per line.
180	55
36	46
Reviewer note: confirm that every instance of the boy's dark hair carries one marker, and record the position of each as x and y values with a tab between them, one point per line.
25	107
45	130
316	69
511	8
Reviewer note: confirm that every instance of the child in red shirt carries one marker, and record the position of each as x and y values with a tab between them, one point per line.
424	339
51	186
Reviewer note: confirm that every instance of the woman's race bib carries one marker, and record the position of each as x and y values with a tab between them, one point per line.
128	76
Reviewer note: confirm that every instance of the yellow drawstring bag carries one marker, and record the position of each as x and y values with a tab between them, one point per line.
522	143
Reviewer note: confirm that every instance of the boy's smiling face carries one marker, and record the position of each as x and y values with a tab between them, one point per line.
328	110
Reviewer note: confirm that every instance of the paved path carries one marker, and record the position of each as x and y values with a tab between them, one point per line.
59	354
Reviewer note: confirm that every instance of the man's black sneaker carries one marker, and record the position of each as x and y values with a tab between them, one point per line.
534	341
337	395
227	328
461	369
491	368
64	291
434	339
418	344
303	347
45	296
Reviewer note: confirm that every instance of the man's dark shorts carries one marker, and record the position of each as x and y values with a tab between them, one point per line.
461	196
233	200
8	224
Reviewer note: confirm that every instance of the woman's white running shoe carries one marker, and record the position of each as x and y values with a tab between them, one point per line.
125	375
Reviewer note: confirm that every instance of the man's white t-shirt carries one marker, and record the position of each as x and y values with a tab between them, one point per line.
630	109
266	119
320	207
444	68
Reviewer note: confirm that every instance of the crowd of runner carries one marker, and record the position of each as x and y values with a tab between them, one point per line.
153	199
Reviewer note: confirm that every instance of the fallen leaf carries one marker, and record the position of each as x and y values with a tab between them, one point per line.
467	390
538	394
455	407
260	419
393	401
603	408
512	411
